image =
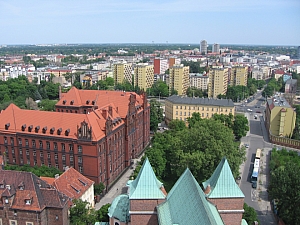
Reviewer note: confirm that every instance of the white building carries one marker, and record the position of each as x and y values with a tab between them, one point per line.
199	81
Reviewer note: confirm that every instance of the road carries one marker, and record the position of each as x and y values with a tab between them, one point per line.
256	138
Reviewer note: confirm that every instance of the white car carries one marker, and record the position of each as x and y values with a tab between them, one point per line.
249	110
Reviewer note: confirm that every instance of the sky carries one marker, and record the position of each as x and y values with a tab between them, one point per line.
245	22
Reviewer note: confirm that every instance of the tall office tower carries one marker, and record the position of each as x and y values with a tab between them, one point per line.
144	76
203	47
216	48
239	75
173	61
179	79
160	65
298	52
122	71
218	82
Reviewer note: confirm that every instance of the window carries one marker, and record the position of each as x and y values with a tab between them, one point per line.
20	141
33	143
63	148
41	144
176	112
12	150
12	141
41	154
80	169
185	113
55	156
71	158
79	149
202	108
56	166
70	148
79	159
34	153
29	223
5	140
20	150
180	113
55	145
48	155
48	144
176	106
212	109
28	161
28	201
26	142
13	222
63	157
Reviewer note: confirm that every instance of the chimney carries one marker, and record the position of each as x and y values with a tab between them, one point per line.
207	190
104	113
56	176
110	111
59	92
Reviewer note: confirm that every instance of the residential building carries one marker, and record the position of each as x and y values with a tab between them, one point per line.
278	74
239	75
96	132
147	203
74	185
199	81
280	117
203	47
174	61
160	65
216	48
298	52
177	107
143	76
218	82
121	72
179	79
28	200
286	77
291	86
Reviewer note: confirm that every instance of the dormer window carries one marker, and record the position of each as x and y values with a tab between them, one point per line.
87	102
52	130
7	126
93	102
84	184
59	131
37	128
30	128
6	201
1	185
21	186
44	129
27	201
67	132
23	127
64	102
72	102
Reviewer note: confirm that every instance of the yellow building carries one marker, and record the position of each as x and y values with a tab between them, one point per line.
122	71
218	82
280	117
178	107
179	79
239	75
144	76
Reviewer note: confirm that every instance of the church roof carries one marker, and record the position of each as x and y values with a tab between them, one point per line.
119	208
146	185
186	204
222	183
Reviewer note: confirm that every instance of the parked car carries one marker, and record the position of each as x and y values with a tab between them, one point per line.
255	116
258	111
246	145
249	110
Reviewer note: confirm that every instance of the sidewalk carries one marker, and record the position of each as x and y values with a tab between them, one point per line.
119	187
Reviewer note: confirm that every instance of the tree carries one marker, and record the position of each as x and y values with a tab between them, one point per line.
47	105
194	119
81	213
98	188
240	126
156	114
102	213
177	125
249	214
31	104
285	186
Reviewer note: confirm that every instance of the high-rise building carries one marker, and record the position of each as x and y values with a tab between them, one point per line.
203	47
298	52
173	61
144	76
160	65
216	48
122	71
199	81
179	79
218	82
239	75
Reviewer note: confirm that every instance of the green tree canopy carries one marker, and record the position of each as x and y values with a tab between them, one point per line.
250	214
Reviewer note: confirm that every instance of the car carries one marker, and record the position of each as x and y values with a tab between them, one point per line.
249	110
246	145
258	111
254	185
255	116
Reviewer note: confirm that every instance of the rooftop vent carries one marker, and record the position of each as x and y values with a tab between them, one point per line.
72	102
64	102
44	129
67	132
37	128
59	131
52	130
23	127
87	102
30	128
7	126
93	102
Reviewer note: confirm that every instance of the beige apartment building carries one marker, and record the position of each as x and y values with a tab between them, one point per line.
144	76
178	107
122	71
179	79
280	117
239	75
199	81
218	82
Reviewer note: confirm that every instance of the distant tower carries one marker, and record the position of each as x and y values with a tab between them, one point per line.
203	47
298	52
216	48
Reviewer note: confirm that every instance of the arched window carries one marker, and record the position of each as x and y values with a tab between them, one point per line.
116	223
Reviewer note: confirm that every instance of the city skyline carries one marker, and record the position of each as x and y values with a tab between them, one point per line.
190	21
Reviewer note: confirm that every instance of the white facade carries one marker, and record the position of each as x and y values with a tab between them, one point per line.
203	47
216	48
199	81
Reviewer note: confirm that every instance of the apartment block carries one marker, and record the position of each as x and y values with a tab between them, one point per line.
218	82
203	47
177	107
216	48
160	65
174	61
144	75
239	75
122	71
199	81
179	79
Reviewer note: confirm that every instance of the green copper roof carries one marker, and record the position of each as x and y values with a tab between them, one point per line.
146	185
244	222
222	183
186	204
119	208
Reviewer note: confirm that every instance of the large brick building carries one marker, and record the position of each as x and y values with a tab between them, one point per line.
146	201
96	132
26	199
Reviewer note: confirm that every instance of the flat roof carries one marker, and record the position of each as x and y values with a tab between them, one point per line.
200	101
